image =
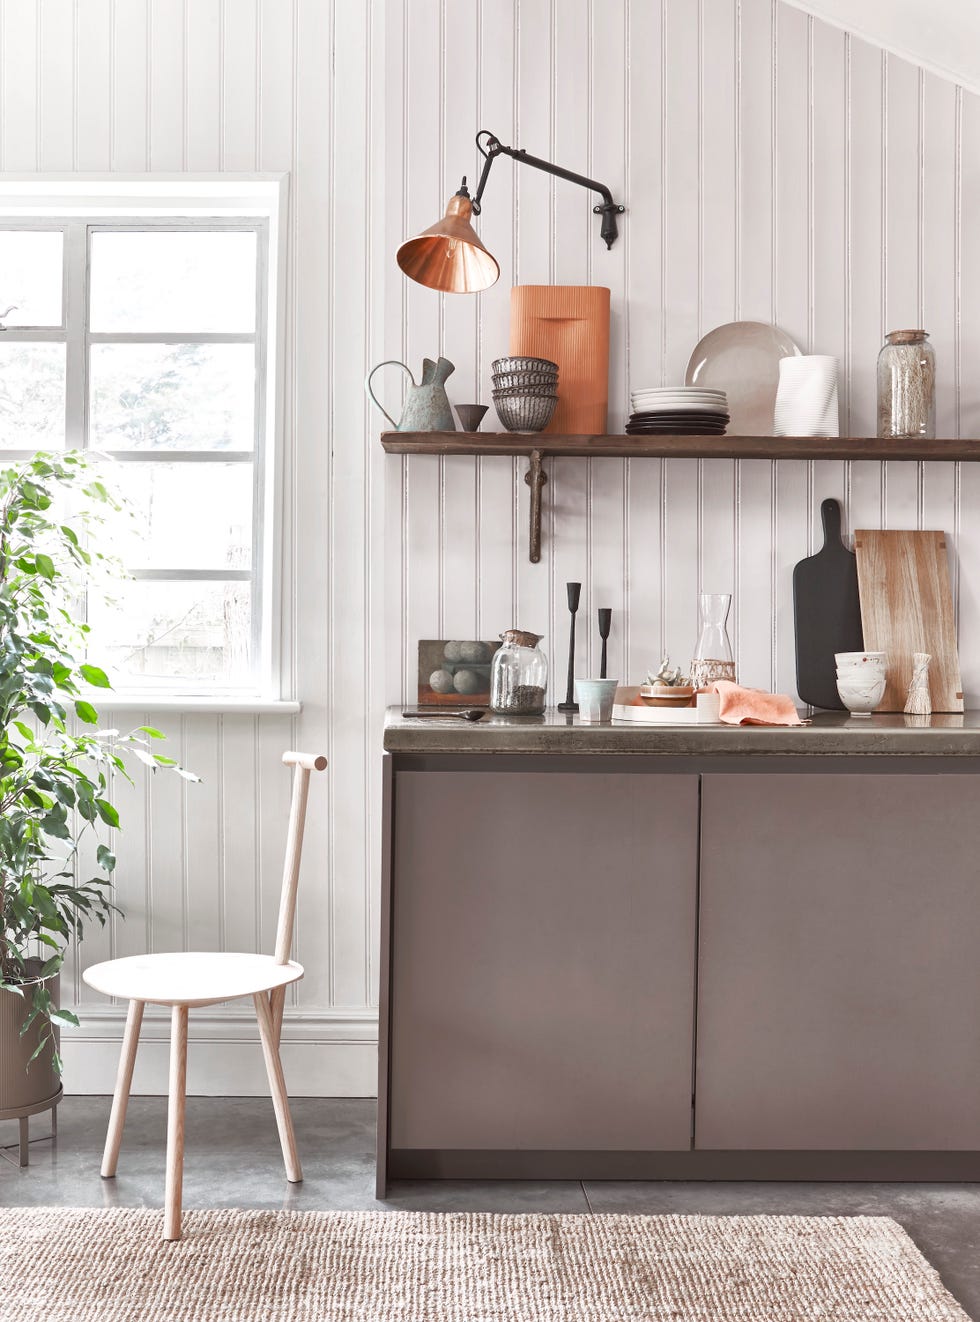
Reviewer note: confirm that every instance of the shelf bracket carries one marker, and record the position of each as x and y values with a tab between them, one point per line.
535	477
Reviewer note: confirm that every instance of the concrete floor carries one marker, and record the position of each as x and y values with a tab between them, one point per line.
233	1160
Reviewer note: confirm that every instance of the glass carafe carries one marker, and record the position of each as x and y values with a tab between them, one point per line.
519	675
713	658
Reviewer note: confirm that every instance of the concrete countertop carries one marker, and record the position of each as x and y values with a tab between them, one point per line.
829	733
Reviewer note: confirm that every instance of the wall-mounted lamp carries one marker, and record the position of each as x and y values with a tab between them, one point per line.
449	255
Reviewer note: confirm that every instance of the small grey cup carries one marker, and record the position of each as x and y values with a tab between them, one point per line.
470	415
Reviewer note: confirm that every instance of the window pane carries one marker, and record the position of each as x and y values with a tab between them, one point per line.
32	396
166	280
185	516
172	396
166	631
31	277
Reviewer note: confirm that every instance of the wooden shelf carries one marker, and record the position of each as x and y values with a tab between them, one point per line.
550	445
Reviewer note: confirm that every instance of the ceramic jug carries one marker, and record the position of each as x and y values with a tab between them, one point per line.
427	406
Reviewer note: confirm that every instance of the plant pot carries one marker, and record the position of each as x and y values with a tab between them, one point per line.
21	1086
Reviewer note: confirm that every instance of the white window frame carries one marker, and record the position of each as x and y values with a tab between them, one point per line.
83	206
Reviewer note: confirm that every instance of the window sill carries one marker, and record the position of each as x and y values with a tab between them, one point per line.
206	704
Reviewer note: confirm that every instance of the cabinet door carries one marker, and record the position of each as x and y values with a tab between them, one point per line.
543	955
839	978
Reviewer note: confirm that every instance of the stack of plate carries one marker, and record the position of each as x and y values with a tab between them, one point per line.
679	410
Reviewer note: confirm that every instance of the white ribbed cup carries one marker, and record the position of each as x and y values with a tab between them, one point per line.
806	400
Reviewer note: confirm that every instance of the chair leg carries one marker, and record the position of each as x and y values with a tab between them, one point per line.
120	1098
277	1086
175	1122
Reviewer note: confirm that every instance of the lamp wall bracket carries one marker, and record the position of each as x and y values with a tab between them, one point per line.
490	147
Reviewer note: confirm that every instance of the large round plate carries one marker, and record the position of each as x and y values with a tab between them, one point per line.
742	358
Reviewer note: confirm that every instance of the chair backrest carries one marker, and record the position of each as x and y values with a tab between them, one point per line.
302	764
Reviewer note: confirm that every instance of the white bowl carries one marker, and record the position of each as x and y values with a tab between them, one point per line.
860	658
861	697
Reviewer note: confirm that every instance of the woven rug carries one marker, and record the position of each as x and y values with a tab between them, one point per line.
84	1265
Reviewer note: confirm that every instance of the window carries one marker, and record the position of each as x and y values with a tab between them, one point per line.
148	338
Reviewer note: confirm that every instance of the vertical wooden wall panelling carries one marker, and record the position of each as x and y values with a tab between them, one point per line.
642	237
940	312
682	316
968	300
793	184
772	168
607	490
536	129
92	120
167	93
718	553
348	665
459	545
499	534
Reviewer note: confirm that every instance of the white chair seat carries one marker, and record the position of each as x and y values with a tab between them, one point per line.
190	977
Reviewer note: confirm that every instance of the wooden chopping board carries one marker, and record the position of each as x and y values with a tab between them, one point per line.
827	611
906	607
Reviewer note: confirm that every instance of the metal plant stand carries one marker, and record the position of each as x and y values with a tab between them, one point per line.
23	1115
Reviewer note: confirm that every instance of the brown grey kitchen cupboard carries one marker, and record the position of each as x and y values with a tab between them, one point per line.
624	953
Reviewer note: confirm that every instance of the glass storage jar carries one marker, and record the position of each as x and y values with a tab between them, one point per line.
519	675
907	385
713	658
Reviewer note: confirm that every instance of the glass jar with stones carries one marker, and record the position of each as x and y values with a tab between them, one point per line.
907	385
519	675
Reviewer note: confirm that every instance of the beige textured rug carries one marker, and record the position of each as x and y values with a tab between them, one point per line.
85	1265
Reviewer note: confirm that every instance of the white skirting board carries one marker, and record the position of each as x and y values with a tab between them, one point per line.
324	1054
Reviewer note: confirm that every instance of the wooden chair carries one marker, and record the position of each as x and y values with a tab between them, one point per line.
185	979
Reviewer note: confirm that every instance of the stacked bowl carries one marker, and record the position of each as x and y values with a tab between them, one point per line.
680	410
525	392
861	680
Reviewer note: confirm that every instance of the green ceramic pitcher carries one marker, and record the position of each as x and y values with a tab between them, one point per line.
427	407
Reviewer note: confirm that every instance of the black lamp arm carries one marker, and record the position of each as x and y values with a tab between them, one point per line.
492	147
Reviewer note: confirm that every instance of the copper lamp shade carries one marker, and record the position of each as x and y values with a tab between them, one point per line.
449	255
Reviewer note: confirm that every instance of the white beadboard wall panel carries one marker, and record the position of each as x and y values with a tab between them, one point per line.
278	86
773	167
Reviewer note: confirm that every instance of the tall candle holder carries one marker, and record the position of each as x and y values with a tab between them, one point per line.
605	623
574	591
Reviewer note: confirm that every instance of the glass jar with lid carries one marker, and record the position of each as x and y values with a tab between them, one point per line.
907	385
519	675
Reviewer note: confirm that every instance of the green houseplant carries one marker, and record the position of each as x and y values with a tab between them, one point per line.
56	768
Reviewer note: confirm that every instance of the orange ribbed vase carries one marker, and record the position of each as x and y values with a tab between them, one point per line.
570	325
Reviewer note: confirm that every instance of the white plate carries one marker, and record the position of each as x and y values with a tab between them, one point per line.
681	406
665	401
742	358
717	395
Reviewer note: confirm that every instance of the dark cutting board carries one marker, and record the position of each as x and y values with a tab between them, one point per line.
827	607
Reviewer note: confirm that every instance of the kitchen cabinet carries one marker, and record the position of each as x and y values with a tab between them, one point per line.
614	952
542	985
839	986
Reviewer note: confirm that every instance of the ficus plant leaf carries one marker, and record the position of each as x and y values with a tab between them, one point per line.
57	771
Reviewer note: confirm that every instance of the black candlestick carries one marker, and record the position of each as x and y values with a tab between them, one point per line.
574	591
605	620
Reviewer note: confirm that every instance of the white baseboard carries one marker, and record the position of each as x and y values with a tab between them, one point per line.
325	1053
